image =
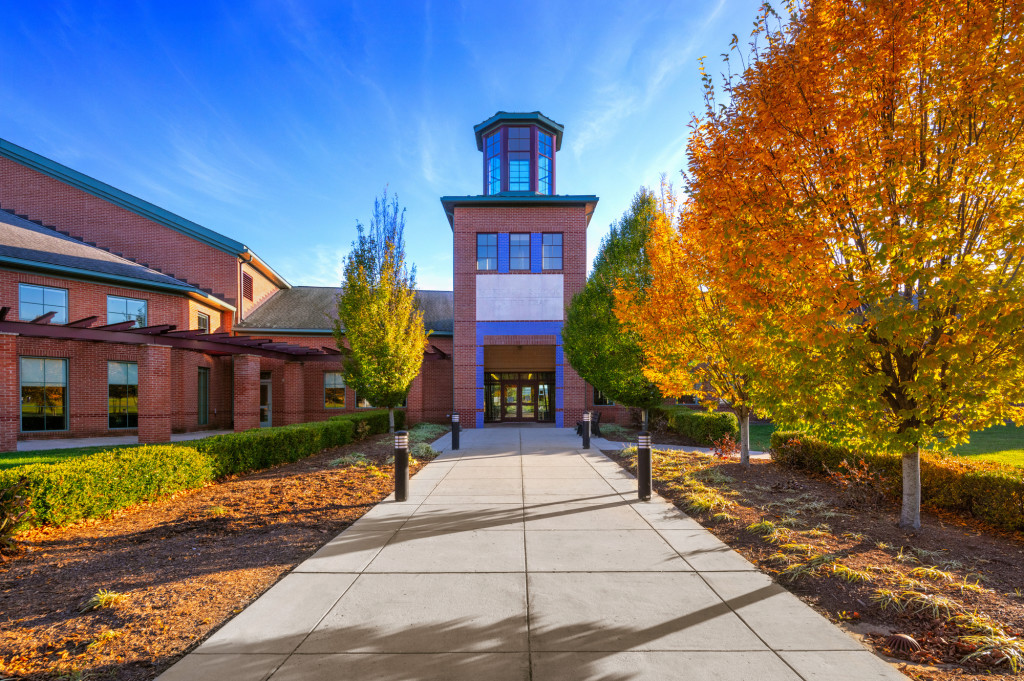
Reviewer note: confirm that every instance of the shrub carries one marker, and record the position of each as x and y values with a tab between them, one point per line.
984	490
94	485
14	509
703	427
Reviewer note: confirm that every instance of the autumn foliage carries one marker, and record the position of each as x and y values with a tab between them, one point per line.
854	199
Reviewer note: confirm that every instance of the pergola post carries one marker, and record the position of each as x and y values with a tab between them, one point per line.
154	394
246	407
10	397
294	393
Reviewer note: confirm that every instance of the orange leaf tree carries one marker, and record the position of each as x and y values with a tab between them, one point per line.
858	200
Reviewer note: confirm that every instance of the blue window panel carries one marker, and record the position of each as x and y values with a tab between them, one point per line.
559	419
559	398
479	353
536	252
480	398
503	253
480	381
479	419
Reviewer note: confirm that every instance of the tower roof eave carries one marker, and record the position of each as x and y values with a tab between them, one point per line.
450	203
505	117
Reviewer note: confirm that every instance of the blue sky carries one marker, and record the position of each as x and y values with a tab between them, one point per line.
277	123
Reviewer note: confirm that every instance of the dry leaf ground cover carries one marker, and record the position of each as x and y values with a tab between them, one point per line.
956	588
124	597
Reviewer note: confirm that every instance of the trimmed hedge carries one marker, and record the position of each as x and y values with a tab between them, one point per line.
94	485
703	427
984	490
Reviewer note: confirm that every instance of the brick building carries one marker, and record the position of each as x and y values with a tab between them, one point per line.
117	316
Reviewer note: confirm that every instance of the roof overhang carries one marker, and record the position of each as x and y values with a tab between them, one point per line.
506	118
450	203
78	273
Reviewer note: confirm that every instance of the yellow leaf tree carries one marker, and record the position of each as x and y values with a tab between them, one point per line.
859	200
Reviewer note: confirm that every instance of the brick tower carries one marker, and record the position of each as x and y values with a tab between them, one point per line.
520	257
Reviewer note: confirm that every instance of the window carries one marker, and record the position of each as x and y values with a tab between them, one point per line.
600	400
203	322
203	394
552	252
519	159
35	301
334	390
487	251
44	394
492	154
519	251
545	156
126	310
246	286
365	404
123	394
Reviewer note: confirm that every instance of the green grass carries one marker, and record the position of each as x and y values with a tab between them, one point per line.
1002	444
13	459
760	436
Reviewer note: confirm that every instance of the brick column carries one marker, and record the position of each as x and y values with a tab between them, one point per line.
154	394
246	409
294	387
10	398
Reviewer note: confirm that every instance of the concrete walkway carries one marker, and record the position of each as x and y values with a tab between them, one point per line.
520	558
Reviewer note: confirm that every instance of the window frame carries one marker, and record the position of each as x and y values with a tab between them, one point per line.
145	306
512	258
127	398
544	255
602	400
200	316
486	258
344	387
56	318
66	406
492	162
545	179
520	153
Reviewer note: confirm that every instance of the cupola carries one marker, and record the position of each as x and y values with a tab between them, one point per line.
519	153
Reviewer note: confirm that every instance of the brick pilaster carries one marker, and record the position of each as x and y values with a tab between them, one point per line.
294	406
10	399
154	394
247	392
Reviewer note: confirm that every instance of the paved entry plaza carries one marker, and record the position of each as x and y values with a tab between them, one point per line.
520	557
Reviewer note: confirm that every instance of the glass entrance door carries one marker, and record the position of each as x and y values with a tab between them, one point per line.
519	401
518	397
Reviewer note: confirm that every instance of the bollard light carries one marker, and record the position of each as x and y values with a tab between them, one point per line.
401	465
586	430
643	466
456	431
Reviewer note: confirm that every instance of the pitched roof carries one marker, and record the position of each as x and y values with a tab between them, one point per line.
26	244
134	204
314	308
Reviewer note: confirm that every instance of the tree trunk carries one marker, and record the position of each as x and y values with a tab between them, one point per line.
391	420
744	415
910	516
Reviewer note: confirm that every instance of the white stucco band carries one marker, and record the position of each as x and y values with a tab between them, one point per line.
519	297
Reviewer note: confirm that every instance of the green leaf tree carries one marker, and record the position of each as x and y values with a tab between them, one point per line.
379	329
603	353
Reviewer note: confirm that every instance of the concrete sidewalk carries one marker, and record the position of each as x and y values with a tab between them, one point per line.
521	557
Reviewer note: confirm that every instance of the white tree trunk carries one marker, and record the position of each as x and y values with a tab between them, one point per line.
910	516
745	437
391	420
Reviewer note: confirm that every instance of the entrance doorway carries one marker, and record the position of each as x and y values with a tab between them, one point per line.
519	397
266	417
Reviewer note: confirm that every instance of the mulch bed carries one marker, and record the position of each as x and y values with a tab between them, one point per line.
859	527
185	565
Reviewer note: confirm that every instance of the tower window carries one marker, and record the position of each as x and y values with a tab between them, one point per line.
487	251
519	159
545	155
552	252
519	251
492	153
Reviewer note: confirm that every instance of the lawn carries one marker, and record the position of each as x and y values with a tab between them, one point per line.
12	459
1002	444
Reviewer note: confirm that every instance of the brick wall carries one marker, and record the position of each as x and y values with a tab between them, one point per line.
10	397
154	394
86	217
262	289
246	375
